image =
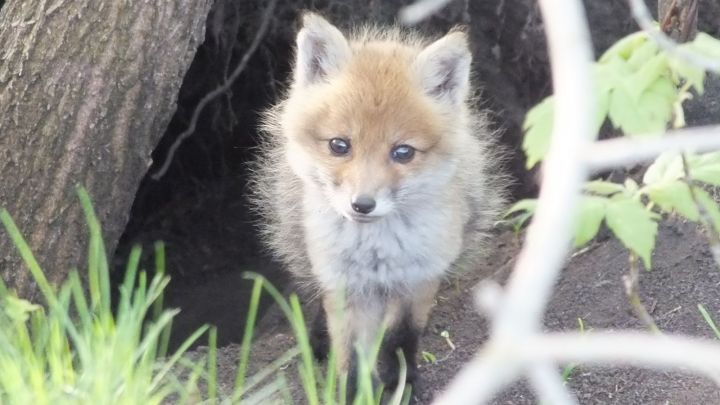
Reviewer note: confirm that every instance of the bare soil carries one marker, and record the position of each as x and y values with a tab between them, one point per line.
590	288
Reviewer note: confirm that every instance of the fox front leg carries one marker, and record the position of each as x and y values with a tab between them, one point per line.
406	319
319	336
352	324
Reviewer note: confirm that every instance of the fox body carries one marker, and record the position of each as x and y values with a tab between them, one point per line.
375	180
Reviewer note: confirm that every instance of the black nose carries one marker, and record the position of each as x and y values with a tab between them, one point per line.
363	204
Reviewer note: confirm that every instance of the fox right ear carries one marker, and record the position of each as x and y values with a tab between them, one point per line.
322	50
444	68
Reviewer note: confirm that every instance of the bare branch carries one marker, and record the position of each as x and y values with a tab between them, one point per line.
483	377
420	10
705	218
550	386
618	152
625	348
521	309
218	91
541	257
632	290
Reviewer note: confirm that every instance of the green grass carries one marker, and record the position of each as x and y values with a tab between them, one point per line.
73	348
708	319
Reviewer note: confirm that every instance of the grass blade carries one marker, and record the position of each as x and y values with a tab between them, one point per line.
247	337
212	366
98	271
709	320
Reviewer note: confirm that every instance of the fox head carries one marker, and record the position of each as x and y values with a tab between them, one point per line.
375	121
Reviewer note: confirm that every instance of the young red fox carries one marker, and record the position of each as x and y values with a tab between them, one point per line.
374	180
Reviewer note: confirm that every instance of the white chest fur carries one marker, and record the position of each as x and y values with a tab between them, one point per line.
392	254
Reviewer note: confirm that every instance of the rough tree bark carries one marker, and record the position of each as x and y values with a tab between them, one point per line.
678	18
87	87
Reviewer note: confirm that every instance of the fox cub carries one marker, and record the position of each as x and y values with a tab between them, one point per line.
375	179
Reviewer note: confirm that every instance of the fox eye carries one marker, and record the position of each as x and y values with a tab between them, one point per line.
339	146
402	153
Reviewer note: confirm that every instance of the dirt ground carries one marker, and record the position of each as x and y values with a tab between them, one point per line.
590	288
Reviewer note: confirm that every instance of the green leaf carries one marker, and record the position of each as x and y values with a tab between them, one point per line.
625	47
707	174
687	72
631	186
707	158
664	88
528	204
705	167
648	115
705	45
526	208
710	206
655	69
674	196
603	187
668	166
590	215
622	109
610	73
602	106
538	127
656	107
635	226
428	357
642	55
538	124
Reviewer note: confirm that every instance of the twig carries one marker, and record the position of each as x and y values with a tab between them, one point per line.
645	20
707	221
420	10
629	348
632	290
218	91
520	312
541	258
620	152
550	386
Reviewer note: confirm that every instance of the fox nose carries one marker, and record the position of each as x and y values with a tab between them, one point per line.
363	204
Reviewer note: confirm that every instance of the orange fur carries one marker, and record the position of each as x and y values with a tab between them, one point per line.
376	103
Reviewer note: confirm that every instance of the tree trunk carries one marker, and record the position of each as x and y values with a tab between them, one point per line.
678	18
87	88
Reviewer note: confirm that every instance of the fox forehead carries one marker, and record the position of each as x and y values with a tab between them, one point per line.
375	100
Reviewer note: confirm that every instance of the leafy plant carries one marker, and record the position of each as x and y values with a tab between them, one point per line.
640	89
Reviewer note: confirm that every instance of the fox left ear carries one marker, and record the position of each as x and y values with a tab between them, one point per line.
444	68
322	50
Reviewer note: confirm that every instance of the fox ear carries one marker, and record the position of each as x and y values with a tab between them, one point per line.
322	50
444	68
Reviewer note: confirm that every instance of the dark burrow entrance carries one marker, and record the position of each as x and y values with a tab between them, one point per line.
199	208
